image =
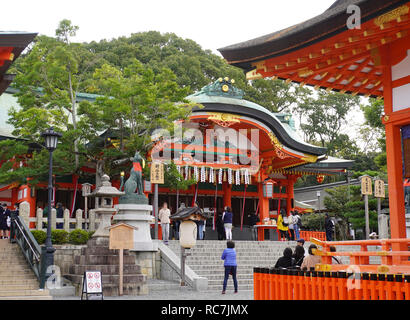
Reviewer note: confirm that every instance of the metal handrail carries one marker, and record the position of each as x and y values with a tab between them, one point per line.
28	242
31	250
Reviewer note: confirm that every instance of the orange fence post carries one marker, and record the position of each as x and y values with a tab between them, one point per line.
272	286
298	285
328	285
381	286
308	285
373	287
277	284
341	285
315	285
406	285
398	287
389	287
256	283
334	276
282	286
364	284
320	285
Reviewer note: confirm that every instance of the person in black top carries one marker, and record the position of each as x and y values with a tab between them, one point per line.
220	227
298	255
328	228
253	220
4	218
286	261
59	214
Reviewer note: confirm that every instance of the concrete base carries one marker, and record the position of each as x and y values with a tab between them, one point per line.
139	216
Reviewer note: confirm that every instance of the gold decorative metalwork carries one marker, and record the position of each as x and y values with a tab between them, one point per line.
223	119
392	15
274	140
309	158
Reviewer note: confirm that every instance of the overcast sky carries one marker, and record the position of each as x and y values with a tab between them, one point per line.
213	23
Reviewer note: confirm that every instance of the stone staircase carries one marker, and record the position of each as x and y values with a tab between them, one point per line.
205	259
17	280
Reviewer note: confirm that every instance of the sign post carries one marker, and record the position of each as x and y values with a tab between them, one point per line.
121	237
157	177
366	189
379	193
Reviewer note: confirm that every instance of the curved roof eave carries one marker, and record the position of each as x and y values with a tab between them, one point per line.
253	110
329	23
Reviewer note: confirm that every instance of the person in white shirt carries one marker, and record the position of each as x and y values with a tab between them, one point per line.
163	215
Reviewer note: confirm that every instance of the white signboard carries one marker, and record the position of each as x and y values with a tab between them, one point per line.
92	283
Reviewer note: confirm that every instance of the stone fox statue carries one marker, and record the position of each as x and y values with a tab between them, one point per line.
135	179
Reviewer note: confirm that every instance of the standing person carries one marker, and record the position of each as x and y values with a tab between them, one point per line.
282	226
301	243
163	216
311	260
220	227
229	257
286	261
253	220
298	224
5	221
329	226
59	215
227	219
292	222
178	223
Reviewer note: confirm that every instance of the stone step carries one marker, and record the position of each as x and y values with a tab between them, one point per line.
101	251
102	260
25	292
161	285
105	269
21	272
106	279
24	286
19	281
27	298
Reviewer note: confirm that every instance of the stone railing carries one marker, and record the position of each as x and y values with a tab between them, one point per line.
68	224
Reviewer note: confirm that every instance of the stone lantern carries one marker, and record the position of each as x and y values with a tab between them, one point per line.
104	205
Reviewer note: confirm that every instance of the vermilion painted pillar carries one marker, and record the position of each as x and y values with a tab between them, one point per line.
396	72
227	194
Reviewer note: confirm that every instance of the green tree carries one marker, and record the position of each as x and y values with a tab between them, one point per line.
323	117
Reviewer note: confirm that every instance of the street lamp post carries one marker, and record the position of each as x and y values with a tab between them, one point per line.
47	251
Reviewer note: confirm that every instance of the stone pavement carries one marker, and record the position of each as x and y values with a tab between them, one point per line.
184	293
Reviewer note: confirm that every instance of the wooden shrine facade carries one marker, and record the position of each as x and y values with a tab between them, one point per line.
372	59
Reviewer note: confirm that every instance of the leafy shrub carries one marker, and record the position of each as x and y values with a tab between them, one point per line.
90	233
39	235
59	236
78	236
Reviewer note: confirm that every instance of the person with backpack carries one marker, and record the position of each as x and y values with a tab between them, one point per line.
298	224
5	221
282	224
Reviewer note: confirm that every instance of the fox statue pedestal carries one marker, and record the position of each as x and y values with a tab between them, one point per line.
138	216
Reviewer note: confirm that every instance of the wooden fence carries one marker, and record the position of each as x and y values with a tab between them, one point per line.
280	284
312	234
66	223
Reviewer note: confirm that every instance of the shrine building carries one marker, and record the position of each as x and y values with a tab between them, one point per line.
358	47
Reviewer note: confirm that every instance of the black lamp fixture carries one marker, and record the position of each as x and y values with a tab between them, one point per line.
47	251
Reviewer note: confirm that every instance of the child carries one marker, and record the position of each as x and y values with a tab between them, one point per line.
229	255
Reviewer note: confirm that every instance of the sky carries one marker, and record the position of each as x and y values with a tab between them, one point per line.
212	24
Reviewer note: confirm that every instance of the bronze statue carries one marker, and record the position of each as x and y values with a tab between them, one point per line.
133	187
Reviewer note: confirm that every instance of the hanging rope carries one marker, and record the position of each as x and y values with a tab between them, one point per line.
215	212
243	207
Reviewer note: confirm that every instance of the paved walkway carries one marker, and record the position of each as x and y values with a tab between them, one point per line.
179	294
